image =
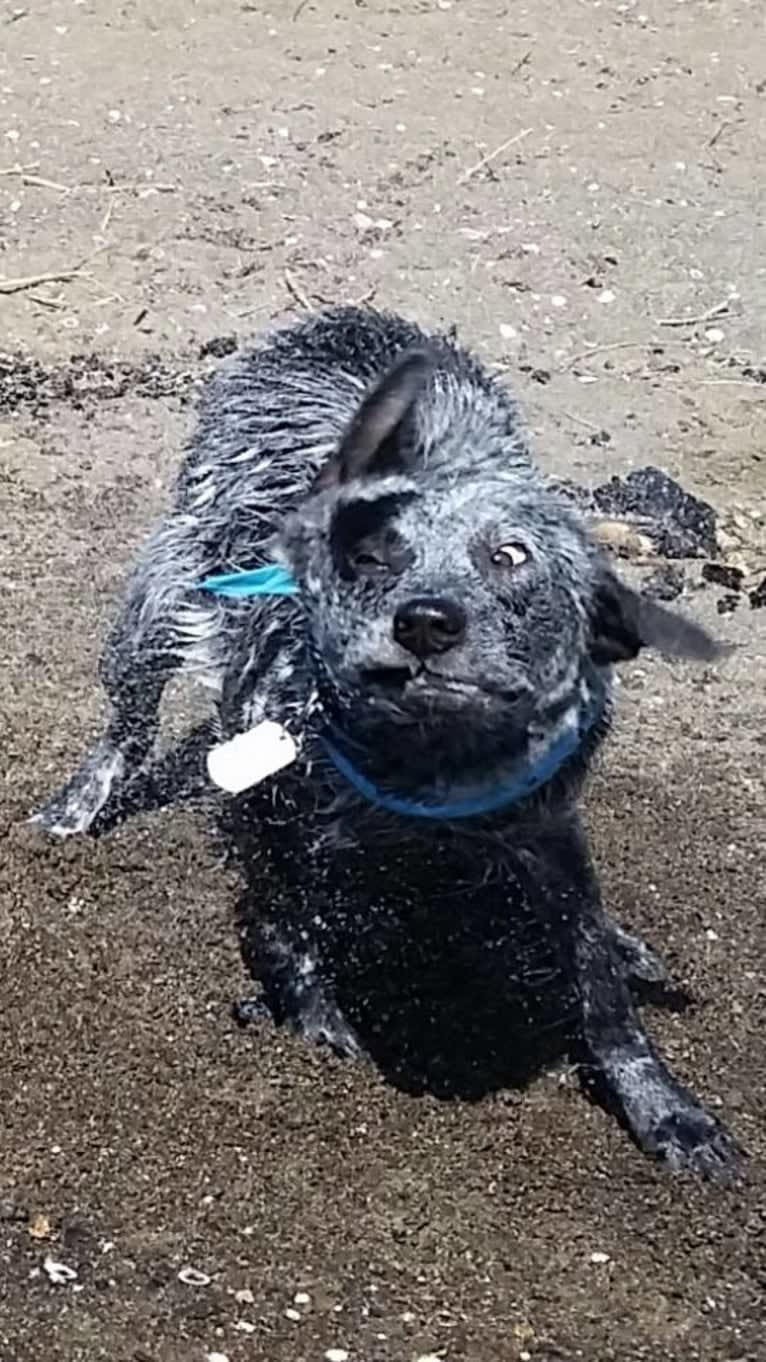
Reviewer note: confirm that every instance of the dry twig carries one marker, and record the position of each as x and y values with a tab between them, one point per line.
720	130
514	71
54	304
20	170
297	292
364	298
730	383
719	310
581	421
41	183
23	173
492	155
22	282
601	349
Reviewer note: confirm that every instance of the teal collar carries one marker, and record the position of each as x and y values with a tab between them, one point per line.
265	581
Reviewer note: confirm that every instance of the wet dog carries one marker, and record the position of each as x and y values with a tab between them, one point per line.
428	623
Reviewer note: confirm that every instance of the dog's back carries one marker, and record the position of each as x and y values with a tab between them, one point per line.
272	416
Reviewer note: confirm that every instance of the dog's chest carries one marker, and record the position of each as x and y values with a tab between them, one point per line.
368	884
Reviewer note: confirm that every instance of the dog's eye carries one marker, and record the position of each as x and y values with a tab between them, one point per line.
368	561
510	556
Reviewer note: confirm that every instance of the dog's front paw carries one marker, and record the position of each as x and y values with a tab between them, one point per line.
315	1018
75	807
640	963
665	1119
690	1138
248	1011
322	1022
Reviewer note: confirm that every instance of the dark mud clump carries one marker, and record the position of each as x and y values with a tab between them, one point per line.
679	524
28	385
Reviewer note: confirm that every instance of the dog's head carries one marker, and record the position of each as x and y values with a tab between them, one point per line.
455	601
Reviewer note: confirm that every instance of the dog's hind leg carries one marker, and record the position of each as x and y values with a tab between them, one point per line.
159	627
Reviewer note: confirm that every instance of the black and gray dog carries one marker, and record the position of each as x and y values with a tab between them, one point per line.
445	667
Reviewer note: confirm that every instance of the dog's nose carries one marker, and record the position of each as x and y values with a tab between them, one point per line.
429	625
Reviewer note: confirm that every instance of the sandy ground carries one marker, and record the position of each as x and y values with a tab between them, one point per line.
177	172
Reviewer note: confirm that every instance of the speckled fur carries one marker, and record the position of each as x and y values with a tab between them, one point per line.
382	464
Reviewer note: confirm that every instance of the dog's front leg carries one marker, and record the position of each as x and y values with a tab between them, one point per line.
641	965
286	961
664	1118
149	640
113	760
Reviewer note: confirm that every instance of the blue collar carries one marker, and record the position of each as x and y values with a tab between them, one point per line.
529	779
274	580
264	581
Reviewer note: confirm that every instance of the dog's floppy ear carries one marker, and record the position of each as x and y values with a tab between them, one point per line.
371	446
624	622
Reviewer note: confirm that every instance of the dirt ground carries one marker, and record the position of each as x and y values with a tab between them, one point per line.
567	182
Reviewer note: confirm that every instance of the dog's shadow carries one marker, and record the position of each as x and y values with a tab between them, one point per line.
459	1004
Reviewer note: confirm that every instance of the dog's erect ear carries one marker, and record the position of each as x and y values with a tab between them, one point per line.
372	444
624	622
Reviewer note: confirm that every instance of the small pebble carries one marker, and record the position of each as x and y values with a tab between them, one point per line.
302	1298
336	1355
58	1273
758	596
723	574
294	1315
599	1257
665	584
190	1276
715	335
622	538
216	1357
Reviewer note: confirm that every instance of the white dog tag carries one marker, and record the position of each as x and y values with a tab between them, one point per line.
250	757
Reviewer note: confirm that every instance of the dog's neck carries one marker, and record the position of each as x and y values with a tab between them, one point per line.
490	789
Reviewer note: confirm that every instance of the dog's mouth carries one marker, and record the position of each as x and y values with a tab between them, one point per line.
402	682
389	680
